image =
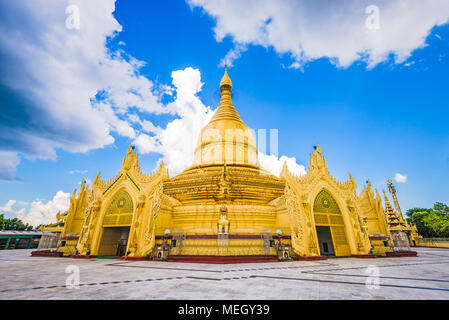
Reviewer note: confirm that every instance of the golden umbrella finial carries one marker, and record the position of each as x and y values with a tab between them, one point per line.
226	82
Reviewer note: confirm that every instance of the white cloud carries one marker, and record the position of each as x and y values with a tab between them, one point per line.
232	55
8	163
400	178
51	77
70	91
8	208
310	30
275	164
177	141
77	171
39	212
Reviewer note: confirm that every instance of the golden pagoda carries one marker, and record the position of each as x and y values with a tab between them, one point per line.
405	234
225	207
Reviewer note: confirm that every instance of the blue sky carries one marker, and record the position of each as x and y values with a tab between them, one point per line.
374	115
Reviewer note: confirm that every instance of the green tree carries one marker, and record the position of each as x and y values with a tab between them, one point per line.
441	208
13	224
432	222
2	223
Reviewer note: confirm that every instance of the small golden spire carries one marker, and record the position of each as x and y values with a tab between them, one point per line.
226	109
385	195
226	82
392	190
130	149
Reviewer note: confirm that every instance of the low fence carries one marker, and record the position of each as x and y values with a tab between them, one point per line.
434	242
48	240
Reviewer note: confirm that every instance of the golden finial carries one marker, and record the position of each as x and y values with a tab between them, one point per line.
226	82
130	149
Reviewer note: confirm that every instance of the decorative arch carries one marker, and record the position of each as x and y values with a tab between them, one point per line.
325	203
122	203
117	219
120	210
327	214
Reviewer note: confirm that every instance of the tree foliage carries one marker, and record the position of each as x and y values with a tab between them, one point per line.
13	224
432	222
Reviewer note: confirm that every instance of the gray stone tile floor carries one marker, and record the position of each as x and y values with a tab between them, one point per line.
422	277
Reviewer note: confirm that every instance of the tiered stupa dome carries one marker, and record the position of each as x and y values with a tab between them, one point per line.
226	139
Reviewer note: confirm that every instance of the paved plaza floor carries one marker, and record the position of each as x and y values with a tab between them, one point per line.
422	277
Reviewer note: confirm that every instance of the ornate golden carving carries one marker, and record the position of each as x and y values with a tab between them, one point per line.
296	221
324	203
223	222
121	204
155	207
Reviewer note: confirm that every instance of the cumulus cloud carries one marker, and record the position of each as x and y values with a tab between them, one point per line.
310	30
8	208
8	163
176	142
39	212
275	164
400	178
65	88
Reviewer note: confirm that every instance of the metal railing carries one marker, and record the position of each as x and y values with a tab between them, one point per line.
433	239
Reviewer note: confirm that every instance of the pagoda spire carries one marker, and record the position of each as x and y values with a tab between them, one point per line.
395	198
226	81
392	216
226	139
226	109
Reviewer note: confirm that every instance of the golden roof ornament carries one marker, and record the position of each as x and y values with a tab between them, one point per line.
392	190
130	158
316	159
130	149
392	216
226	82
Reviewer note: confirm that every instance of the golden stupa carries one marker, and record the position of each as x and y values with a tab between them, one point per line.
225	207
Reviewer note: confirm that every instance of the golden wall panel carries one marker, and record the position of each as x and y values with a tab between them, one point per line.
334	219
200	219
321	219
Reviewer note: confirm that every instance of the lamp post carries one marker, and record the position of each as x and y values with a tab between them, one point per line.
167	233
279	235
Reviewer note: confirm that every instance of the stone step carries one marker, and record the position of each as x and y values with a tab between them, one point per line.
222	259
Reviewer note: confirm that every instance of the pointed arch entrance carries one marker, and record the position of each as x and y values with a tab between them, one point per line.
330	226
116	226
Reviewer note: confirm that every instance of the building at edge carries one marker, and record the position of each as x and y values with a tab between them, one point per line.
225	207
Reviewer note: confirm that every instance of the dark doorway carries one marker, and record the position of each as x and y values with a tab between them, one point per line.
325	241
114	241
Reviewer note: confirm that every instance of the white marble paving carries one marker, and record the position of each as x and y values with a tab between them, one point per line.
422	277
